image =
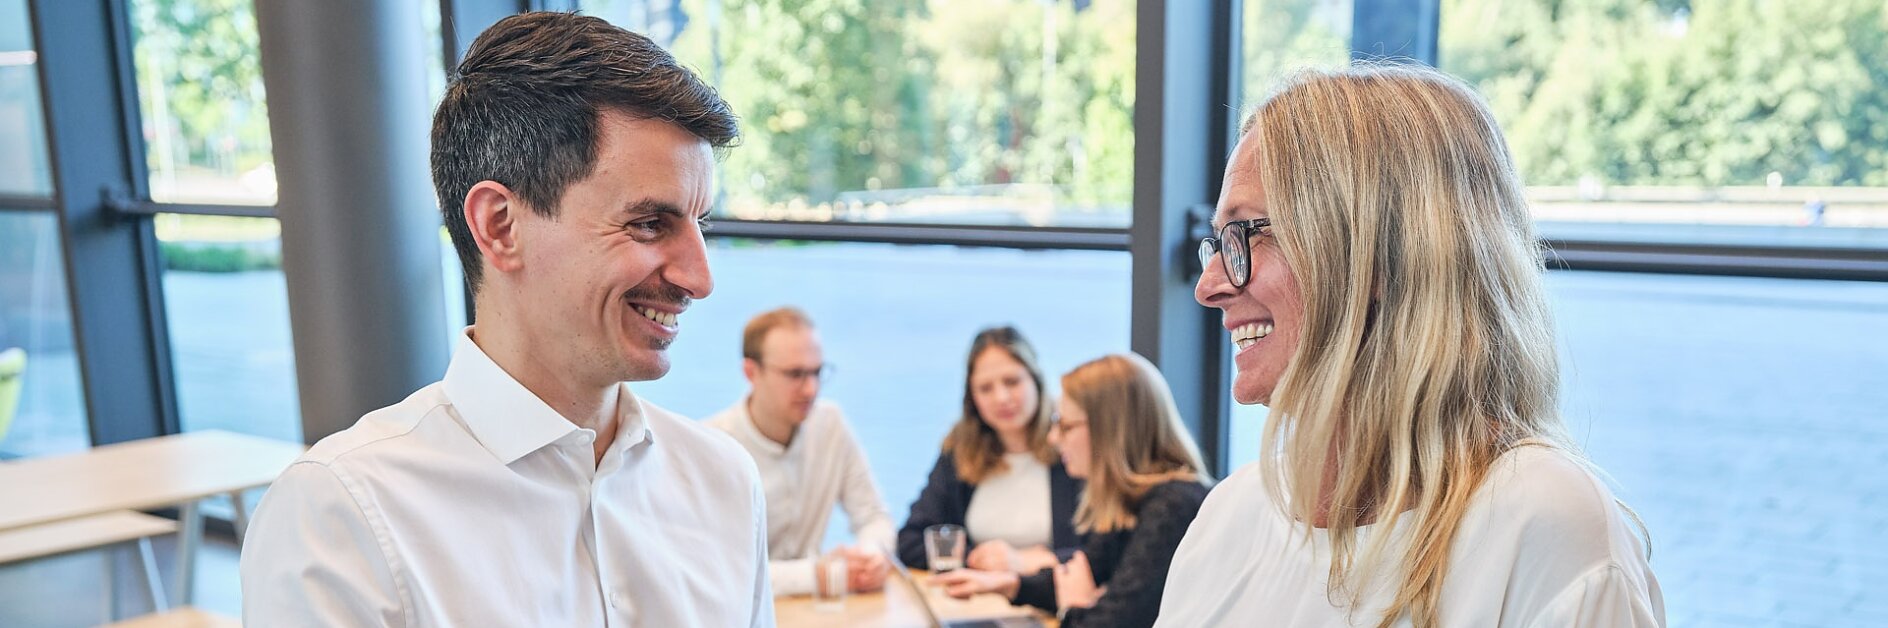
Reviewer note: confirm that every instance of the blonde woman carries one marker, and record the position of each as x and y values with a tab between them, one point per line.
998	476
1377	267
1120	431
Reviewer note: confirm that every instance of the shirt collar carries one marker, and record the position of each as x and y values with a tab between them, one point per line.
509	420
744	426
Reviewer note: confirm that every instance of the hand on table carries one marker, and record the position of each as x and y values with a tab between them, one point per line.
998	555
963	583
865	570
1075	584
992	556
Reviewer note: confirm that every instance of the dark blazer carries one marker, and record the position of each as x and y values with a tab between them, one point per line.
1131	563
946	498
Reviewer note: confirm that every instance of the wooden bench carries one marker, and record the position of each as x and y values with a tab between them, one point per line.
106	530
185	617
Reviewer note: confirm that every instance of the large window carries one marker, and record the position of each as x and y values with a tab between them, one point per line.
1006	112
1673	112
206	135
42	406
24	169
42	409
227	307
1741	418
1280	36
206	127
896	322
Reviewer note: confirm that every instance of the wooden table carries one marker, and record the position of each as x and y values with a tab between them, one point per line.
180	618
178	470
895	607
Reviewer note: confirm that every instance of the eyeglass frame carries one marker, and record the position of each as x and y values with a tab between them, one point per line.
820	373
1062	428
1211	246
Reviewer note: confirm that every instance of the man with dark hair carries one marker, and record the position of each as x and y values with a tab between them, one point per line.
530	487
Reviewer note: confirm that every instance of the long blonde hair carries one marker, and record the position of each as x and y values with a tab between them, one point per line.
1428	347
1136	439
972	443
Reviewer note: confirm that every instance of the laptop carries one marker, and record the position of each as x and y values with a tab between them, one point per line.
924	601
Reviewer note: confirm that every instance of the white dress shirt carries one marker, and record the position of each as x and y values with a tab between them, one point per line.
1542	544
1005	506
472	503
823	465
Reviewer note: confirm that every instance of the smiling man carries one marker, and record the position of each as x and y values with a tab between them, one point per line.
530	487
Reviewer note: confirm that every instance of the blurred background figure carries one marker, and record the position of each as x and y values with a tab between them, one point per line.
1119	430
807	455
999	477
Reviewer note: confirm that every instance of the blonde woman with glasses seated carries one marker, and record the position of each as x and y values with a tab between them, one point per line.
1119	430
1378	270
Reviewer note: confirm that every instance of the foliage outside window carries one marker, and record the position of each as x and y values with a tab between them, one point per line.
1280	36
1733	111
967	111
206	126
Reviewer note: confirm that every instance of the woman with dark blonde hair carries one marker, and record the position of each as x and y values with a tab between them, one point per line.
1376	265
998	476
1120	431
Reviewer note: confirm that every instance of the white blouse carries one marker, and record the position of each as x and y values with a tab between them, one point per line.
1014	506
1543	544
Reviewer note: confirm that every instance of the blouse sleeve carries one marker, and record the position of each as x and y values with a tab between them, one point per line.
1606	596
933	507
1133	597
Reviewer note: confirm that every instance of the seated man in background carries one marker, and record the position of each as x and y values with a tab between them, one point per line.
807	456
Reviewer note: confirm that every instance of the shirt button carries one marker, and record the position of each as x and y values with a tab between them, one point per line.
585	439
619	600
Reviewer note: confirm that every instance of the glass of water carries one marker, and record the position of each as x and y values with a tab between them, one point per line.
829	583
944	547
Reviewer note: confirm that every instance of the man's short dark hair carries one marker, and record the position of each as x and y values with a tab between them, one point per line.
522	109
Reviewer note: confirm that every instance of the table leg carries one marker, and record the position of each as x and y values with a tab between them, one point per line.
154	584
241	520
110	556
189	536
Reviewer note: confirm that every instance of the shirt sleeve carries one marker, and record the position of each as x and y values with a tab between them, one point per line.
792	576
865	510
312	558
1036	589
1606	596
1133	597
763	593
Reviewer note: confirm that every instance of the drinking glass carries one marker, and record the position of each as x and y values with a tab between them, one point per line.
944	547
829	590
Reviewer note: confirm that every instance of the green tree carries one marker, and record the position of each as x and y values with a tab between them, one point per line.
1673	92
846	96
200	78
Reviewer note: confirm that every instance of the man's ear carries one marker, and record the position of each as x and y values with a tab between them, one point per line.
491	213
751	369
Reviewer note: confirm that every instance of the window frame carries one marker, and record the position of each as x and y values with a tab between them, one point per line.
1188	55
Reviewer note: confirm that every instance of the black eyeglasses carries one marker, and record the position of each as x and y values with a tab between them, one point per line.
819	373
1234	247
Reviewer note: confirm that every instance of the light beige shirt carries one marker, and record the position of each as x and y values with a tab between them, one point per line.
821	467
472	503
